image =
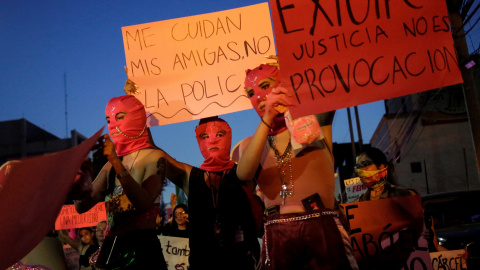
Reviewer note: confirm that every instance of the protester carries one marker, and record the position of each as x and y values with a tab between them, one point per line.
222	227
100	238
85	247
431	236
100	232
179	225
295	236
129	184
377	174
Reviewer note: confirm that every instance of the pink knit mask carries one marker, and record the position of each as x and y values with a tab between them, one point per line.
214	148
130	133
252	80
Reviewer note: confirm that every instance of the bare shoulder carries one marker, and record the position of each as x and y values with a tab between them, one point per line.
155	154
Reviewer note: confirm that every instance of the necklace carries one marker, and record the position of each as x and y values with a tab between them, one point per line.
282	161
133	138
133	162
214	190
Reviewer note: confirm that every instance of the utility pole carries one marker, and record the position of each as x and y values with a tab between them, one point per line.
352	139
469	88
359	129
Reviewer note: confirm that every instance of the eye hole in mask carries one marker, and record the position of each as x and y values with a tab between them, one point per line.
363	164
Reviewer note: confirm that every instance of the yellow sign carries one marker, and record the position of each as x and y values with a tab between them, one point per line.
194	67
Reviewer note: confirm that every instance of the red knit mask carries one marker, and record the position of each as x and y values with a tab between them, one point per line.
214	137
252	80
129	134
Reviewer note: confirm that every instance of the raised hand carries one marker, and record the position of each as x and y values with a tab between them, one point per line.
276	102
130	87
108	148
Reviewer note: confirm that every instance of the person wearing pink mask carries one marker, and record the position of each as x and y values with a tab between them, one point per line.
222	227
377	174
298	191
129	184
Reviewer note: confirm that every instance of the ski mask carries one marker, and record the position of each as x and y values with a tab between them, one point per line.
253	79
214	137
129	134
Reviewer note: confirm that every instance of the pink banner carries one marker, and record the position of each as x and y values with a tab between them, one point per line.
194	67
32	192
68	218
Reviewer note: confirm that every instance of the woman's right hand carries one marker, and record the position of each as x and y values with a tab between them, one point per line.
277	102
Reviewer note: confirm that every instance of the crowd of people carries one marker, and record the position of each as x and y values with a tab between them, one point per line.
294	211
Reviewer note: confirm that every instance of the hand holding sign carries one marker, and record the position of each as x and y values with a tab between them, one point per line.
276	102
130	87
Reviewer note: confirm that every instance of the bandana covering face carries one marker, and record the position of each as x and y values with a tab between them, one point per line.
252	79
372	179
129	134
215	150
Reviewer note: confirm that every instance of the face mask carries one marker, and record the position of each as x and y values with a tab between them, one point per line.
252	80
372	179
129	134
215	150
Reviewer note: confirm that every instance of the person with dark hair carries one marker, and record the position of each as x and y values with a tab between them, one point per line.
100	232
179	225
86	246
378	175
221	224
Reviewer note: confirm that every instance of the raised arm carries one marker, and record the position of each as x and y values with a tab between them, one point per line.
141	196
64	237
250	158
179	173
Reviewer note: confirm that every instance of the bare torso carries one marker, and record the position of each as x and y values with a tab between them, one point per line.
141	164
313	172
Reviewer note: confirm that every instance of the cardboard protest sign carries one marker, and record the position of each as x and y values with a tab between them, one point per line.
449	259
68	218
337	54
386	233
32	193
354	188
194	67
175	251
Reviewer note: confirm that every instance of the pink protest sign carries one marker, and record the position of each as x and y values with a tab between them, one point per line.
68	218
194	67
32	192
337	54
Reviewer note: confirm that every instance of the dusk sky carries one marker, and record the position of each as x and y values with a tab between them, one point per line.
44	42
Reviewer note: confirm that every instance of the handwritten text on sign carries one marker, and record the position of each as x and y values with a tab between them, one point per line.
386	234
68	217
336	54
449	259
194	67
